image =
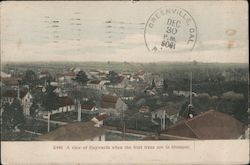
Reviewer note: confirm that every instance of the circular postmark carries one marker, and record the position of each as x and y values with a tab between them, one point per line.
169	29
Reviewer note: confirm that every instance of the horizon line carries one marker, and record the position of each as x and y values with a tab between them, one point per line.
6	62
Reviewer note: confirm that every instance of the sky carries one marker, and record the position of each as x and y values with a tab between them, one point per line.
114	31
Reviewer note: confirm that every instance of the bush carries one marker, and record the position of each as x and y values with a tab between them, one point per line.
203	96
231	95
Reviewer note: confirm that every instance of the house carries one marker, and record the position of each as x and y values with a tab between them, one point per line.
25	97
67	77
130	98
96	84
27	103
102	76
121	82
43	74
89	108
10	81
183	93
5	75
164	114
94	72
112	105
98	120
208	125
65	104
144	109
140	74
127	74
59	91
77	131
75	70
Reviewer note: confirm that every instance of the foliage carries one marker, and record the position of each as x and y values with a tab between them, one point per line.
165	85
81	77
33	108
231	95
153	83
13	115
29	78
47	78
113	76
50	100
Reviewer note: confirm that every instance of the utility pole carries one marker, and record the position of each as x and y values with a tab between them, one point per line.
18	91
79	116
123	125
48	121
190	106
191	93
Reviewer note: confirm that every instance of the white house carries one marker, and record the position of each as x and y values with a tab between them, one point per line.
43	74
183	93
164	113
25	97
121	82
27	103
89	108
144	109
113	105
65	104
67	77
98	120
5	75
96	84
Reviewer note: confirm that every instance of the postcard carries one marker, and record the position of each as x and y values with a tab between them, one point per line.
124	82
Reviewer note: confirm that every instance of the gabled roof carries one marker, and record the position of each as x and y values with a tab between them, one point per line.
39	88
65	101
102	117
109	101
73	132
94	70
144	109
94	82
70	74
10	81
13	93
120	79
4	75
87	106
109	98
208	125
141	72
44	72
170	110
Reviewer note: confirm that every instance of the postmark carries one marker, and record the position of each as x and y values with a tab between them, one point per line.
170	29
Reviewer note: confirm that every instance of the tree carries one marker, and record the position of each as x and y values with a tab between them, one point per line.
81	77
29	78
50	100
18	113
153	83
13	115
165	85
7	116
47	78
33	108
113	76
